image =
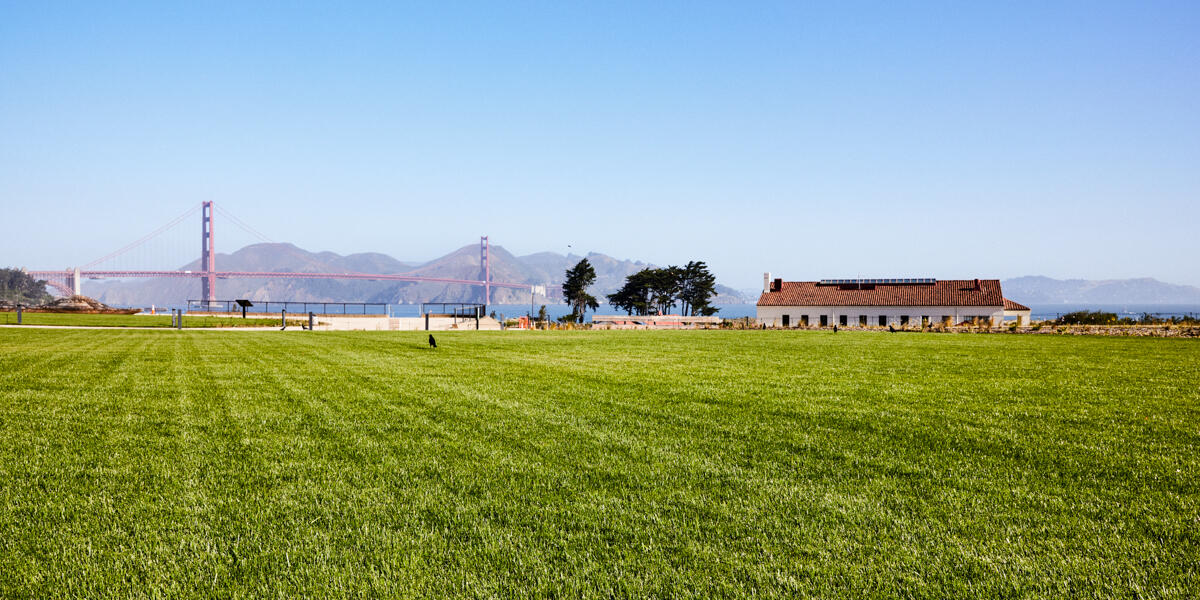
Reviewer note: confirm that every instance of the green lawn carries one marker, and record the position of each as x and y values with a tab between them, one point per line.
597	464
86	320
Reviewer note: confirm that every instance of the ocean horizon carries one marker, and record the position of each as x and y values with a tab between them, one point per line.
736	311
727	311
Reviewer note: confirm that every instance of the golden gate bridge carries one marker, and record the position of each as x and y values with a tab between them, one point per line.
68	281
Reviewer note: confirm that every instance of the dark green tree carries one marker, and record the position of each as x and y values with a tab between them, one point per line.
697	286
575	287
664	289
634	296
17	287
659	290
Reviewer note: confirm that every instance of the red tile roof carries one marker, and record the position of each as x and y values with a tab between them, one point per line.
1010	305
951	292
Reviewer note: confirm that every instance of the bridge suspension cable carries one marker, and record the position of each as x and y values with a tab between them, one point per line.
240	223
191	211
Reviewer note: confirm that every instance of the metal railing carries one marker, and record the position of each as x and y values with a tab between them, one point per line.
338	308
458	310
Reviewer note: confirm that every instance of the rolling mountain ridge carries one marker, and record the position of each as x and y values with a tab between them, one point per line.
536	269
1044	290
464	263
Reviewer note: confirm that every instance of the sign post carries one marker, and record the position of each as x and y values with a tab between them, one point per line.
242	302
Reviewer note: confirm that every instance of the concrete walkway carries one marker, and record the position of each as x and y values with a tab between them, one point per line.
384	324
118	328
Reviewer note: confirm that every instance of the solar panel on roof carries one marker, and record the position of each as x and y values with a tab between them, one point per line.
883	281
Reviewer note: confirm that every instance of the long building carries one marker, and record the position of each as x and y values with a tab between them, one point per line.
884	302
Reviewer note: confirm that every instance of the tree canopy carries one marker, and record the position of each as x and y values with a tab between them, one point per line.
659	290
17	287
634	296
697	286
575	287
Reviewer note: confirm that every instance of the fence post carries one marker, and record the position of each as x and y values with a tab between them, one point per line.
310	321
18	314
179	324
283	319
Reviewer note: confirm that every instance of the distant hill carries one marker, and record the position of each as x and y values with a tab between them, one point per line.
538	268
1044	290
463	263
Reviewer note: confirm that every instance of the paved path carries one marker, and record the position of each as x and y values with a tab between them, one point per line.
118	328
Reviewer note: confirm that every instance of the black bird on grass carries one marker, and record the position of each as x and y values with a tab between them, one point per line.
432	342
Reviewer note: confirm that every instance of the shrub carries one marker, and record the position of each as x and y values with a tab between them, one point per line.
1088	317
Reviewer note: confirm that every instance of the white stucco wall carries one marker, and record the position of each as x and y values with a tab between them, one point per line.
1022	317
772	316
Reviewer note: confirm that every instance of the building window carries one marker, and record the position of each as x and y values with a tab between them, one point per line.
804	320
862	320
882	320
924	321
946	320
903	320
842	320
787	320
824	320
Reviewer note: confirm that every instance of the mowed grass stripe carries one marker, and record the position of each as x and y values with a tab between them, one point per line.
136	320
597	464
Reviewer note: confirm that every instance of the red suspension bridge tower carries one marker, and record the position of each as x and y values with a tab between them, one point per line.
208	257
485	255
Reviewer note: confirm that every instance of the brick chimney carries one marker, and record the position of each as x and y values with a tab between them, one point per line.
766	282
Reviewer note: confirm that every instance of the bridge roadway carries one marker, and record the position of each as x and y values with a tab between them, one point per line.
62	279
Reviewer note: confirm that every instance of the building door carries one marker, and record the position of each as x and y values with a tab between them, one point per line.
787	320
824	320
862	320
882	320
804	320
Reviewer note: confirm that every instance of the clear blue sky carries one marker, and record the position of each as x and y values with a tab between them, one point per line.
954	139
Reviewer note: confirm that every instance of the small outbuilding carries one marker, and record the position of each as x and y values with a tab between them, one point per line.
1019	311
916	302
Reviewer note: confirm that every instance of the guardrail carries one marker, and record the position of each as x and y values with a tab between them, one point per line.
346	308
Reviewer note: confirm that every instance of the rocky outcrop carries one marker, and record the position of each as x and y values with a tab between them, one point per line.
81	304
